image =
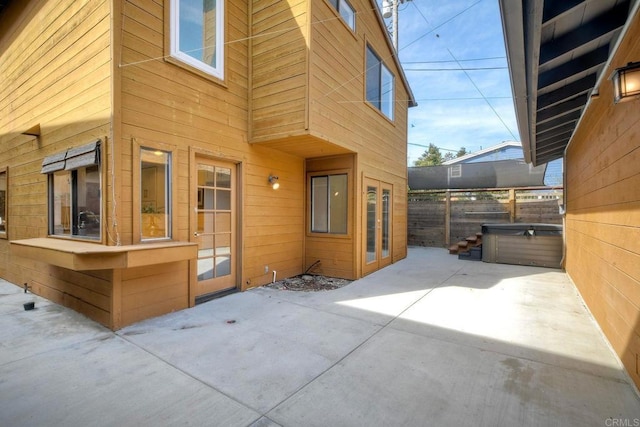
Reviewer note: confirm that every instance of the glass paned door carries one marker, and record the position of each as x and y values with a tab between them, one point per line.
215	226
378	206
372	224
386	222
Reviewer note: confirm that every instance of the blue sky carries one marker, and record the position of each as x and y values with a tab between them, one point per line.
452	111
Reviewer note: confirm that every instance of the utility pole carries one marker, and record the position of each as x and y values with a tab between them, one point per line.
390	10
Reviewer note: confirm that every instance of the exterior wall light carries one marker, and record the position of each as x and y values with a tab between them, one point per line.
626	83
273	180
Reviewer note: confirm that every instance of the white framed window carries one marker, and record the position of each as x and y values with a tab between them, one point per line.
329	204
380	84
75	184
346	11
197	34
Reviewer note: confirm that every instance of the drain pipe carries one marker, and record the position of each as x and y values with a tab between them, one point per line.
274	277
625	30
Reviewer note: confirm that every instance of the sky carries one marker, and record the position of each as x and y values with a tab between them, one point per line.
453	55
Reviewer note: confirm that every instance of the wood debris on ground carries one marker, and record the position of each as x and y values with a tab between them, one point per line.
309	283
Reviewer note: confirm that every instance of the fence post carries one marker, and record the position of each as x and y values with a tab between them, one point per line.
447	218
512	205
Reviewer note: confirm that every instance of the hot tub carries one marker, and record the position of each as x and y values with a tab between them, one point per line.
523	244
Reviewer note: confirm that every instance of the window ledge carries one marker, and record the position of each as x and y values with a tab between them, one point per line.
75	255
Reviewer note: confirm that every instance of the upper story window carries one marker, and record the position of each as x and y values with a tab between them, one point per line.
380	84
197	34
3	203
155	194
346	11
75	192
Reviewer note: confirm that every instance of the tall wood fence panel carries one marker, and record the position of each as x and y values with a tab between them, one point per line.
441	218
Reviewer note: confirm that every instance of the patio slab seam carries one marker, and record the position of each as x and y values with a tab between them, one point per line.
356	348
188	374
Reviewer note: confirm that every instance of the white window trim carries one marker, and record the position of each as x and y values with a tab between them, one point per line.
387	99
345	3
175	52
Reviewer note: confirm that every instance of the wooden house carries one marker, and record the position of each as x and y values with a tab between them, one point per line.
154	154
563	57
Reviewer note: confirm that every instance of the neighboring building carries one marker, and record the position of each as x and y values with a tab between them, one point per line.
510	150
139	143
507	150
561	58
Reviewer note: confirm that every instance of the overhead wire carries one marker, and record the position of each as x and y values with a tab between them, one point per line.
242	39
469	77
456	69
432	30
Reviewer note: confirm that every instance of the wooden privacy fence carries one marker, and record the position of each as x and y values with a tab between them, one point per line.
443	217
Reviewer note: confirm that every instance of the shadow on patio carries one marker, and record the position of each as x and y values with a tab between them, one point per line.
430	340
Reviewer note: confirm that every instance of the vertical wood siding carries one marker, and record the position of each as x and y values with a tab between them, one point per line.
603	213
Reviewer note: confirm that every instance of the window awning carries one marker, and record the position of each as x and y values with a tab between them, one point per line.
83	156
53	163
73	158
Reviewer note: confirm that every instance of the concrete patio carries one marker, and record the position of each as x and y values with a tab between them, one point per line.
430	340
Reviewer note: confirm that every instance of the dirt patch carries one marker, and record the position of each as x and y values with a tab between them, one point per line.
309	283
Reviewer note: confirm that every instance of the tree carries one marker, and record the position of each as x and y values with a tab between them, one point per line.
431	157
450	156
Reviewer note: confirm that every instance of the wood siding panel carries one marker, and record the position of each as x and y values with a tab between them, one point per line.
154	290
65	74
603	212
335	256
339	112
279	67
55	61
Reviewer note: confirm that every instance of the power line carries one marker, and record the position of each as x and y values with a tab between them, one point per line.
485	98
456	69
461	60
426	146
467	74
469	98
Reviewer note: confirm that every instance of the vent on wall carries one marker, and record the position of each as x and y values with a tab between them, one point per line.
455	171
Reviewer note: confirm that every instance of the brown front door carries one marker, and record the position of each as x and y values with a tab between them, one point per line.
215	225
377	220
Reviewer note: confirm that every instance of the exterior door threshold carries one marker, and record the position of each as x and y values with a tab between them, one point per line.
215	295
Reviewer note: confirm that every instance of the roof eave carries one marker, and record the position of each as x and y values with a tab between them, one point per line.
520	46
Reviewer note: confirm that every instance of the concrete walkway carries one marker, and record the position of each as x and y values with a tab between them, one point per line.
430	340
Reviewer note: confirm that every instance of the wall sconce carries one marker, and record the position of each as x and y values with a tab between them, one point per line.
273	180
626	83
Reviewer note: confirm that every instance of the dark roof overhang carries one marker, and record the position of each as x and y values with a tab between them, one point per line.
557	52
